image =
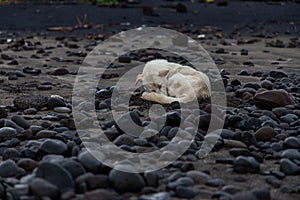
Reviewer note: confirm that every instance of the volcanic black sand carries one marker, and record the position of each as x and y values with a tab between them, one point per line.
255	45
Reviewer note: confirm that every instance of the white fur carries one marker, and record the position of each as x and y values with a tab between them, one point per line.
166	82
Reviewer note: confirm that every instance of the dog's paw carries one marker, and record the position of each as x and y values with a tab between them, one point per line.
147	96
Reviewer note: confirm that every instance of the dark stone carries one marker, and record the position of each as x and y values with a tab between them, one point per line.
56	175
244	164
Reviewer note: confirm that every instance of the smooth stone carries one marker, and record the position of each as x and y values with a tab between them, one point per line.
62	109
231	189
156	196
234	144
27	164
288	167
226	133
244	164
291	154
239	152
267	84
74	168
56	175
291	142
273	181
95	194
60	72
7	133
11	153
248	138
42	188
93	181
8	168
125	181
185	192
30	111
20	121
51	146
54	102
215	182
124	140
89	162
281	111
30	101
151	179
265	134
278	74
46	134
272	99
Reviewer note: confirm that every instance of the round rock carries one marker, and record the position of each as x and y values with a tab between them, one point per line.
124	181
272	99
244	164
42	188
51	146
56	175
265	134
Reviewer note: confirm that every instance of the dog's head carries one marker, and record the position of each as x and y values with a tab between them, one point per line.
154	82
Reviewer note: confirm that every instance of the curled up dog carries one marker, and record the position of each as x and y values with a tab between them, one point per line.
166	82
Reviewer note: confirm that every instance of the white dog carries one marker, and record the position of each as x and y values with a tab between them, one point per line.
166	82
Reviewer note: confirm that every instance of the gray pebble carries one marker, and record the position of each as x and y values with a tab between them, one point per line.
291	154
244	164
62	109
90	162
51	146
20	121
125	181
291	142
288	167
185	192
7	132
156	196
8	168
56	175
42	188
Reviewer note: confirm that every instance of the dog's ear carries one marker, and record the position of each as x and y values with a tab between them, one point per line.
139	78
163	73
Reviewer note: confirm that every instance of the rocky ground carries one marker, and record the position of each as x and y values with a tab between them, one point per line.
256	157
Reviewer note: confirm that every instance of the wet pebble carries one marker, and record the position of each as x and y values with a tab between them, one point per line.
185	192
288	167
265	134
291	154
30	111
272	99
95	194
7	133
20	121
291	142
56	175
62	109
60	72
8	168
27	164
51	146
42	188
125	181
89	162
54	102
156	196
244	164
